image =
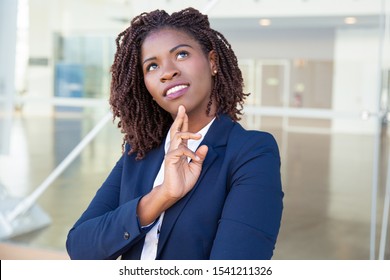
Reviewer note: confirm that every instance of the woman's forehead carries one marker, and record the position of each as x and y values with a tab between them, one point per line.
168	34
165	39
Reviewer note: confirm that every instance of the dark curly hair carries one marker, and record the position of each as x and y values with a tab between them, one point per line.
143	122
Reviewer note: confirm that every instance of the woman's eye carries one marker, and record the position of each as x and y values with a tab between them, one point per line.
151	67
182	54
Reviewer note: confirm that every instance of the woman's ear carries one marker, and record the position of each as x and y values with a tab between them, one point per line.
213	57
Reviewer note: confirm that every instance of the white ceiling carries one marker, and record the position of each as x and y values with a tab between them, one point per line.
261	8
245	14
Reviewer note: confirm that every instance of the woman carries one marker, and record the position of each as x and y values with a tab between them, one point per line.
191	183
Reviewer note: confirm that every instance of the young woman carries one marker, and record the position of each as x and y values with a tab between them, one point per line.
191	183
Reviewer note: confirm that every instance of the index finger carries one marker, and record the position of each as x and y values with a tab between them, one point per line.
180	124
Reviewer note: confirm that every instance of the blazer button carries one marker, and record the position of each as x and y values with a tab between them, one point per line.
126	235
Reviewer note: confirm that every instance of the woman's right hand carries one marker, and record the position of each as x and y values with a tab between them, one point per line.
182	166
181	171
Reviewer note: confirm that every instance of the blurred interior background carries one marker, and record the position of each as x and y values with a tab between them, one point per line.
318	74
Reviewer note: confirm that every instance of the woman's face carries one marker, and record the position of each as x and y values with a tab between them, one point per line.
177	72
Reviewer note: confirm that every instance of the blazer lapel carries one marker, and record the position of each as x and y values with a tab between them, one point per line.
215	137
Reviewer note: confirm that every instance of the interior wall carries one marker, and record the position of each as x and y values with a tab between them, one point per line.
354	80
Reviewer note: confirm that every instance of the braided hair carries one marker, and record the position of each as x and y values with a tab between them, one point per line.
143	122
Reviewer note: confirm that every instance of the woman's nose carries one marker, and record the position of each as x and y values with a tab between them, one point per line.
169	72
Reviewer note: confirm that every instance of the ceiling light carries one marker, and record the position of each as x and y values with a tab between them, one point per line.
272	81
300	87
265	22
350	20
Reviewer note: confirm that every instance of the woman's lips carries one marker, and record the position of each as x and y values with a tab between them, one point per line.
176	91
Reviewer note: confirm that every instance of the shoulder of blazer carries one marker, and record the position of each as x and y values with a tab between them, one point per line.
226	132
244	141
156	151
244	145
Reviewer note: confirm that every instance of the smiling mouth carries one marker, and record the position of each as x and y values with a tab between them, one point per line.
175	89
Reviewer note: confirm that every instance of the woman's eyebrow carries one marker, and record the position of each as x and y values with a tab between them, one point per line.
179	46
148	59
170	51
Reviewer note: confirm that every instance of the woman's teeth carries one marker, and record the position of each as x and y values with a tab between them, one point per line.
176	88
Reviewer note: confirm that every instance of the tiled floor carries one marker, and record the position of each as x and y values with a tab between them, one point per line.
327	180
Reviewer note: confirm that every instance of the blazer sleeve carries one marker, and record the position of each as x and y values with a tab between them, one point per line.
106	229
251	216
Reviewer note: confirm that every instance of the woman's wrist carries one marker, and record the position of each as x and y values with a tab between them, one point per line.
152	205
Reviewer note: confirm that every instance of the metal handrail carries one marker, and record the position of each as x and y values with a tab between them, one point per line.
27	202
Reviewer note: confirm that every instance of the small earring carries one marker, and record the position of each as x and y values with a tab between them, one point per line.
215	72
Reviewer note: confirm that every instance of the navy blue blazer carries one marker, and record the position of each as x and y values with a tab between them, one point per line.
233	211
